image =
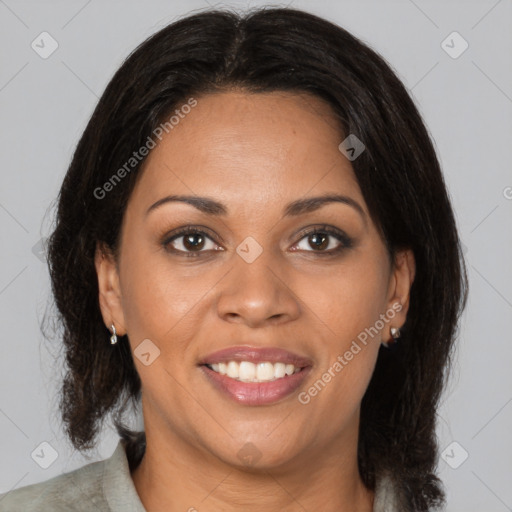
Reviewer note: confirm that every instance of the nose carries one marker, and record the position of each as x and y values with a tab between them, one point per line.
258	293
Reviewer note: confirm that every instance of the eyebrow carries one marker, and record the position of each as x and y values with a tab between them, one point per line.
295	208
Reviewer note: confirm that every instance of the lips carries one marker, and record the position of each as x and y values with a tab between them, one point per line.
256	393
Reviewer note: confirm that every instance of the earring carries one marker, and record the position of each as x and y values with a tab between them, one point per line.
395	334
113	338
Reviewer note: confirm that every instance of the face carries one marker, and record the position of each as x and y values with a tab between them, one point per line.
255	273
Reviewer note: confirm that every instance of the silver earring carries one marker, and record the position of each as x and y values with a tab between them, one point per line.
113	338
395	334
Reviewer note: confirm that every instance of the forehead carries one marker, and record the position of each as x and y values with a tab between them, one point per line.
263	146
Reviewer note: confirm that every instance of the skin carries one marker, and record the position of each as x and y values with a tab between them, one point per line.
255	153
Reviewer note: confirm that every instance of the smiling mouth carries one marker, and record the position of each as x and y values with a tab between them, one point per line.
247	371
256	376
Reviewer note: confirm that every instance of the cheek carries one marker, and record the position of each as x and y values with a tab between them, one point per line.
169	304
156	294
348	304
349	299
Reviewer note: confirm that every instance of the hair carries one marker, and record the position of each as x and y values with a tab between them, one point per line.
267	50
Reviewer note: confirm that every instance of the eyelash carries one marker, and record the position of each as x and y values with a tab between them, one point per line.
346	241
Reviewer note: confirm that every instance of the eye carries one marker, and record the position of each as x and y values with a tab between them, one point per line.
323	240
193	242
190	242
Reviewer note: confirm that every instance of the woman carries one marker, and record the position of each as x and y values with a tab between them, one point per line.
255	241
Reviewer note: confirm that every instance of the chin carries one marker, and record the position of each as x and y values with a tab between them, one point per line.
257	456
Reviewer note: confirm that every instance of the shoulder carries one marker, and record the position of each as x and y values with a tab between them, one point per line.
105	485
76	490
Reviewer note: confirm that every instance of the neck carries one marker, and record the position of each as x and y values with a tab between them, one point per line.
176	476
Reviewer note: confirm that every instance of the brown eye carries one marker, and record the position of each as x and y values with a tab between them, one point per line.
318	241
324	240
193	242
189	242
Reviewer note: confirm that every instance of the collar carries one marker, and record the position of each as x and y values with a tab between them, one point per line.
118	487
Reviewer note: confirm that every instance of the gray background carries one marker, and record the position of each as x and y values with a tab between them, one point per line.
466	103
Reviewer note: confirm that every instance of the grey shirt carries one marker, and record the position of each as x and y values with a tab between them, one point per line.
107	486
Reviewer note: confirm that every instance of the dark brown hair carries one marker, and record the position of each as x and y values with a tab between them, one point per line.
270	49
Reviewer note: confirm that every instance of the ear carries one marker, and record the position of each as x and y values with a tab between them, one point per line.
403	272
109	289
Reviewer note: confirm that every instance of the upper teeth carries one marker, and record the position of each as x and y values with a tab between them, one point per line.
250	372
